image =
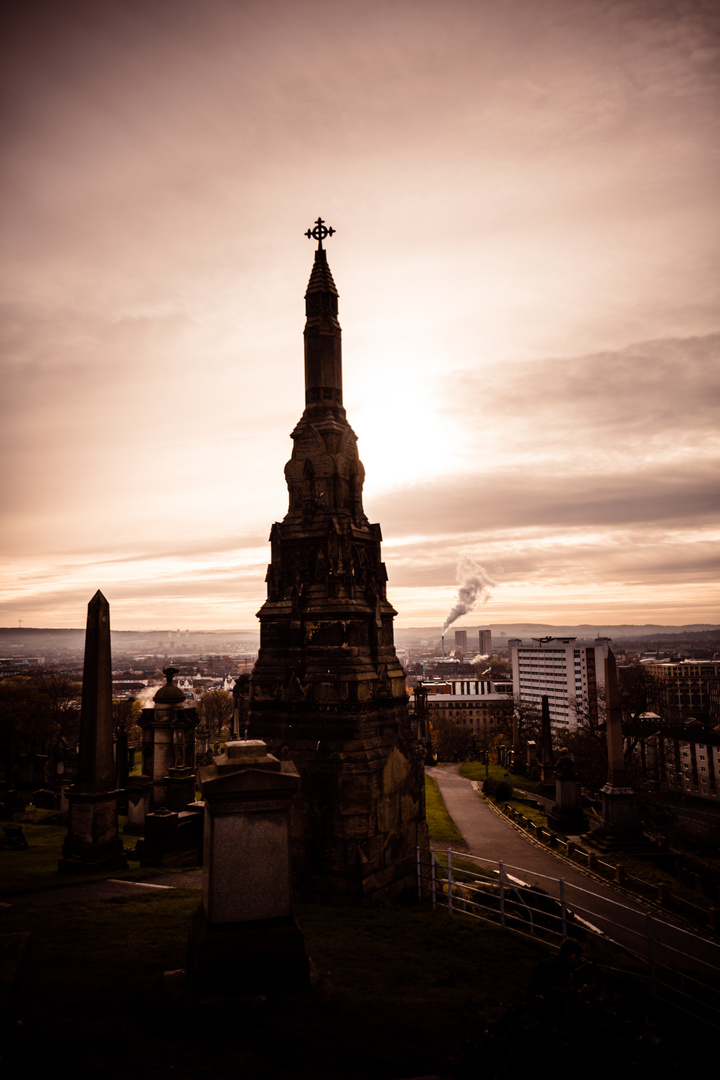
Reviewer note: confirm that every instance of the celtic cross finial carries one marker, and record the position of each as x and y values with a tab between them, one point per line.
319	232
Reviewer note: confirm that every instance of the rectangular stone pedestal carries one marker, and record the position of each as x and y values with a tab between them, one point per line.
92	842
180	788
237	959
139	792
173	839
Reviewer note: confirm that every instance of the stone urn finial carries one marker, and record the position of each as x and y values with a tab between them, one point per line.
169	694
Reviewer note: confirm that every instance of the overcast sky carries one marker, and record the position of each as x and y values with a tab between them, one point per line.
525	194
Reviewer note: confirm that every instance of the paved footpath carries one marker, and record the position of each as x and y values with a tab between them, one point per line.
491	837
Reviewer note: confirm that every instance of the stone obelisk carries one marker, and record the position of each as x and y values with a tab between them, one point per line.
621	825
93	841
328	691
547	765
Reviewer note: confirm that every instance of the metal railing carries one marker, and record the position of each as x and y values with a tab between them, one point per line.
702	914
681	967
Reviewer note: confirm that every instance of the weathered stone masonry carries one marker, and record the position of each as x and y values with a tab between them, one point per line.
328	691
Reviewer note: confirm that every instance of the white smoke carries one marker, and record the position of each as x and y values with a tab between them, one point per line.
475	583
479	658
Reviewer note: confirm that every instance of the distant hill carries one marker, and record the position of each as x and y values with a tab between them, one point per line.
36	641
618	632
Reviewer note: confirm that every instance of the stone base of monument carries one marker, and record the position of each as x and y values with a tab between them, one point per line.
244	939
172	839
565	815
92	842
570	822
245	958
139	792
180	788
621	829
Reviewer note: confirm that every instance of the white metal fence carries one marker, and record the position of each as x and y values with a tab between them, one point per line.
682	967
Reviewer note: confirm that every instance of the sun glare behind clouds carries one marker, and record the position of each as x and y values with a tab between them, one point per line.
526	256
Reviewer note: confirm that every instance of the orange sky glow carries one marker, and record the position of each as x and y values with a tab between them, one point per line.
525	199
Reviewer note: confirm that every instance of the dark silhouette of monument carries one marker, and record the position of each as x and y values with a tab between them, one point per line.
328	691
93	841
621	828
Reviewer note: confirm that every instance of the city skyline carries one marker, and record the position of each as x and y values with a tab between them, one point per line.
524	200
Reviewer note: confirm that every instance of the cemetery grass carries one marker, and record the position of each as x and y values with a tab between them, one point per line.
475	770
36	867
397	991
441	827
536	816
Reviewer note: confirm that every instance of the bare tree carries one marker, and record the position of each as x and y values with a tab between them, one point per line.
216	709
36	714
450	741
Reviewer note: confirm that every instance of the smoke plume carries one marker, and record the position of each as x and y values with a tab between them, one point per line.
475	585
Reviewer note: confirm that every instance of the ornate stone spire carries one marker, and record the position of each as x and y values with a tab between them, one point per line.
325	474
323	340
328	691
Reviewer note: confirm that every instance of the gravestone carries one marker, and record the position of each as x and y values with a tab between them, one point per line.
565	815
139	794
621	828
172	838
244	938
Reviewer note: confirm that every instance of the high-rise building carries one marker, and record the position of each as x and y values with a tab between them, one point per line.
327	691
687	688
485	642
571	675
461	641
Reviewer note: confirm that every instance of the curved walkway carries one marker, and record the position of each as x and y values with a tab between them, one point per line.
490	837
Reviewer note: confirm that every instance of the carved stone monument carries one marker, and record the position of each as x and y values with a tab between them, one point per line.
93	841
621	826
244	937
328	691
168	746
565	815
547	766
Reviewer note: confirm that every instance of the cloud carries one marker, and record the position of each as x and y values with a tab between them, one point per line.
651	399
519	191
482	504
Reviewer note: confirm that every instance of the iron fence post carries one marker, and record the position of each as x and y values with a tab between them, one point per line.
450	881
501	874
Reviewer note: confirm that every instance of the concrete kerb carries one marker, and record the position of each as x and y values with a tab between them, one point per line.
637	898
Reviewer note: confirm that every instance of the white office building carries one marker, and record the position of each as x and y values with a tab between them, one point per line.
571	675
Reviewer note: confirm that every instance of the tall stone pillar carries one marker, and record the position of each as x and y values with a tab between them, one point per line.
547	767
328	691
241	706
621	824
93	841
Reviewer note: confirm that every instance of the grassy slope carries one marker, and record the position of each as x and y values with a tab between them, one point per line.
400	992
475	770
441	827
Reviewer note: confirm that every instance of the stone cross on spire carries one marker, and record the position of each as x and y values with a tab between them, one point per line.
319	233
